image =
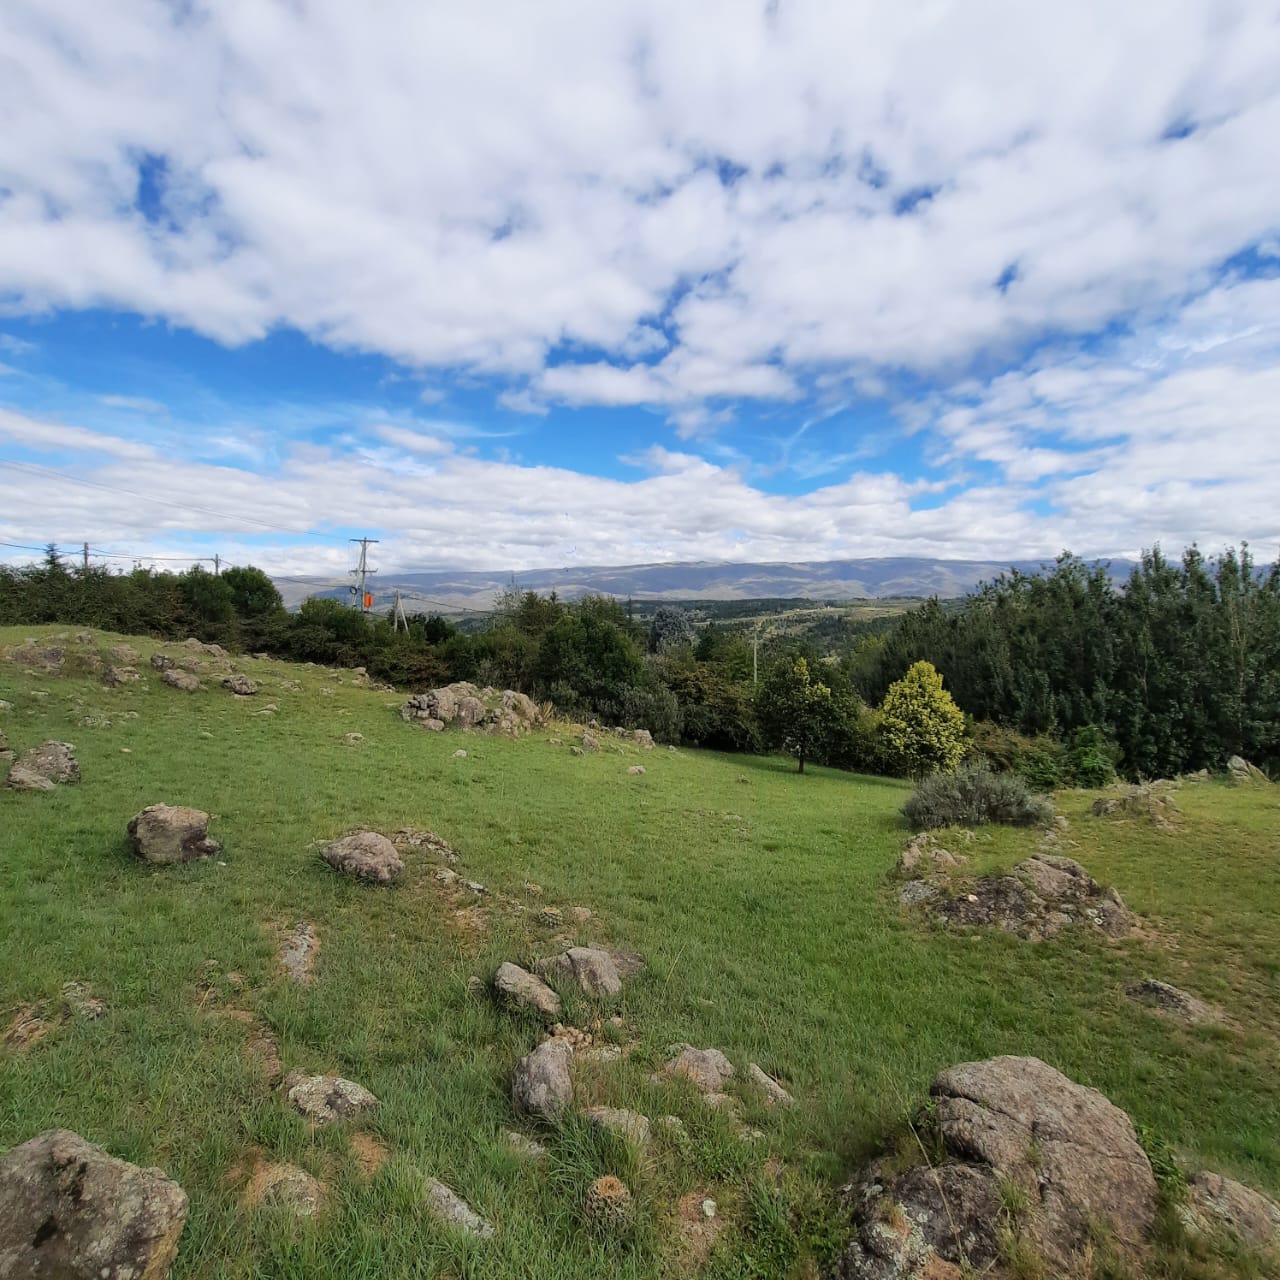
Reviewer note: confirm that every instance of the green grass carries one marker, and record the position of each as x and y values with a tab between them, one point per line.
759	898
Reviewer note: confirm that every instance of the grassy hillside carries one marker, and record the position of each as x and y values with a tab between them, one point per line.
759	899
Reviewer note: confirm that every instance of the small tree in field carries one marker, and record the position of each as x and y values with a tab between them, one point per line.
921	726
794	710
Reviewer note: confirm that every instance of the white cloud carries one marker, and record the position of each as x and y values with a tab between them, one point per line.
418	186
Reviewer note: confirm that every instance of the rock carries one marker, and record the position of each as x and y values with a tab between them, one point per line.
1240	770
1173	1001
298	952
165	834
446	1206
1152	801
503	711
636	770
82	1002
593	970
1005	1122
240	685
45	660
177	679
608	1205
709	1069
1042	896
522	989
285	1186
114	677
630	1126
915	892
627	963
643	739
581	915
353	739
69	1210
325	1099
459	755
923	854
44	767
366	855
542	1085
522	1145
1217	1204
589	741
775	1095
672	1128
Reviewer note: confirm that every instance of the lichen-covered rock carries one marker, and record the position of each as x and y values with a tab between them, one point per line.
542	1084
774	1094
44	767
240	685
325	1099
643	739
366	855
285	1186
1042	896
1217	1204
525	991
1005	1122
113	677
176	678
298	952
591	968
1151	802
1173	1001
165	833
69	1210
446	1206
1239	770
503	711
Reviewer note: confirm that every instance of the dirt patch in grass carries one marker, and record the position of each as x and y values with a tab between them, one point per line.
29	1026
696	1232
370	1154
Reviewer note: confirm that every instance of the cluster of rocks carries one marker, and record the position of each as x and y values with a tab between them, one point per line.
503	711
1040	897
1023	1152
44	767
1151	802
1239	770
590	740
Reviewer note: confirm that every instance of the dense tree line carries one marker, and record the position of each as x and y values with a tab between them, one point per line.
1063	676
1178	668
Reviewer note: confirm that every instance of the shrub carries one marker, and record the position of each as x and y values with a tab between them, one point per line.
1091	759
972	796
920	725
1038	760
654	708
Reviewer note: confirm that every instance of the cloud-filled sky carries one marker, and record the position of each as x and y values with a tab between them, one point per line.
523	285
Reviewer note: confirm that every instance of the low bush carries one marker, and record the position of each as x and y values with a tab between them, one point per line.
1091	758
973	796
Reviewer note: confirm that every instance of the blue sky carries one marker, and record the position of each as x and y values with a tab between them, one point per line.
649	282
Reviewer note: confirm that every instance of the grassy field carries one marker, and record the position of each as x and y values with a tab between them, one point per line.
759	898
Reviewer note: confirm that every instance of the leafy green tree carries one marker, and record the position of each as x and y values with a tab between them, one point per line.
794	710
922	728
253	594
670	629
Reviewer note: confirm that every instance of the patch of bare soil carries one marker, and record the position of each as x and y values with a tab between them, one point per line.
696	1231
370	1154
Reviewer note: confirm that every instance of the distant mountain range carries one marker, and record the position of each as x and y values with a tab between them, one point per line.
452	590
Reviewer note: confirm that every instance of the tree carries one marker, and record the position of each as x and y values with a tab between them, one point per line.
253	594
671	629
922	728
795	711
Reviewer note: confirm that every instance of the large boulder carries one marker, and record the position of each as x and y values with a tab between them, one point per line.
168	833
592	969
708	1069
365	855
1042	896
176	678
1240	770
1006	1123
69	1210
520	988
44	767
542	1083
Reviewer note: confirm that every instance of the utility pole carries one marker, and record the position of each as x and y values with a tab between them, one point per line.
362	570
398	619
217	564
86	557
755	655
